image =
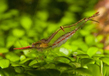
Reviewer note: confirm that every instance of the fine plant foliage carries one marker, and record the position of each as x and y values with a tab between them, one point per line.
23	22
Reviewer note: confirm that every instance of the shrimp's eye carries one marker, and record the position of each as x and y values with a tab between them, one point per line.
33	45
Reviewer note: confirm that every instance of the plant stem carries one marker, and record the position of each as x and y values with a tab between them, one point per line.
102	68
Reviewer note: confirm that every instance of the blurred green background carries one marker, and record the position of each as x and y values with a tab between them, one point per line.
28	21
23	22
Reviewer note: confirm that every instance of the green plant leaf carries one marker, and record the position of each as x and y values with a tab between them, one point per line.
2	72
90	40
85	61
19	69
63	59
65	65
22	57
100	45
18	32
95	69
26	60
82	56
64	74
3	6
12	57
80	44
4	50
4	63
39	64
15	64
106	70
38	72
10	41
33	62
91	51
53	72
84	32
83	71
64	51
105	60
2	41
42	15
26	22
21	43
99	38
